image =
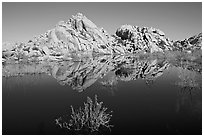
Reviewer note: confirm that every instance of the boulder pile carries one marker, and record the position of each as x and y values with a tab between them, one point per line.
131	39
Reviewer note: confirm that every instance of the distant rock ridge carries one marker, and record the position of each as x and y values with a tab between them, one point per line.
190	44
79	36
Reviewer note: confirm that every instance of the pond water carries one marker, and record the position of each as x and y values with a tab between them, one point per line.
146	95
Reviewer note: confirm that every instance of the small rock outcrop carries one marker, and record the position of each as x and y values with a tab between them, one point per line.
131	39
191	44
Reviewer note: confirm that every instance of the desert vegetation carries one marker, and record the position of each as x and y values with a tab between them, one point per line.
91	119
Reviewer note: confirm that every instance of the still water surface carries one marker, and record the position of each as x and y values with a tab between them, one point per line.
147	96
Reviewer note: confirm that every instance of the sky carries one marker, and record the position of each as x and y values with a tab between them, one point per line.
22	21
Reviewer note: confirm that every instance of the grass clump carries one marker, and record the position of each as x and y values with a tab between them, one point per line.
92	118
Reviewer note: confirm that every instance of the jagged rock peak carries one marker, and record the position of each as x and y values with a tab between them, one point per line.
81	34
77	35
79	20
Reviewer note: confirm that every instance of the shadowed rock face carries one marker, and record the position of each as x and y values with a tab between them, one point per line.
130	39
190	44
82	74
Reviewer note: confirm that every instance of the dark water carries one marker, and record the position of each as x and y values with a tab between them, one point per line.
146	95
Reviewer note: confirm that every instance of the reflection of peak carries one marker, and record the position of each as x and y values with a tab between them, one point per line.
145	69
82	74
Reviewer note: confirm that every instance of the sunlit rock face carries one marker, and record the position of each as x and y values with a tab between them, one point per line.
77	35
191	44
130	39
80	34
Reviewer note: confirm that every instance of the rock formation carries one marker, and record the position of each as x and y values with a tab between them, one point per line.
191	44
77	35
80	34
131	39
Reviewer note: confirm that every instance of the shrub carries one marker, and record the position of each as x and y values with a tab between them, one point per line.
91	118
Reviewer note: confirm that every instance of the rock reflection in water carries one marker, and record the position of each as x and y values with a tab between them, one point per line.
82	74
145	69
